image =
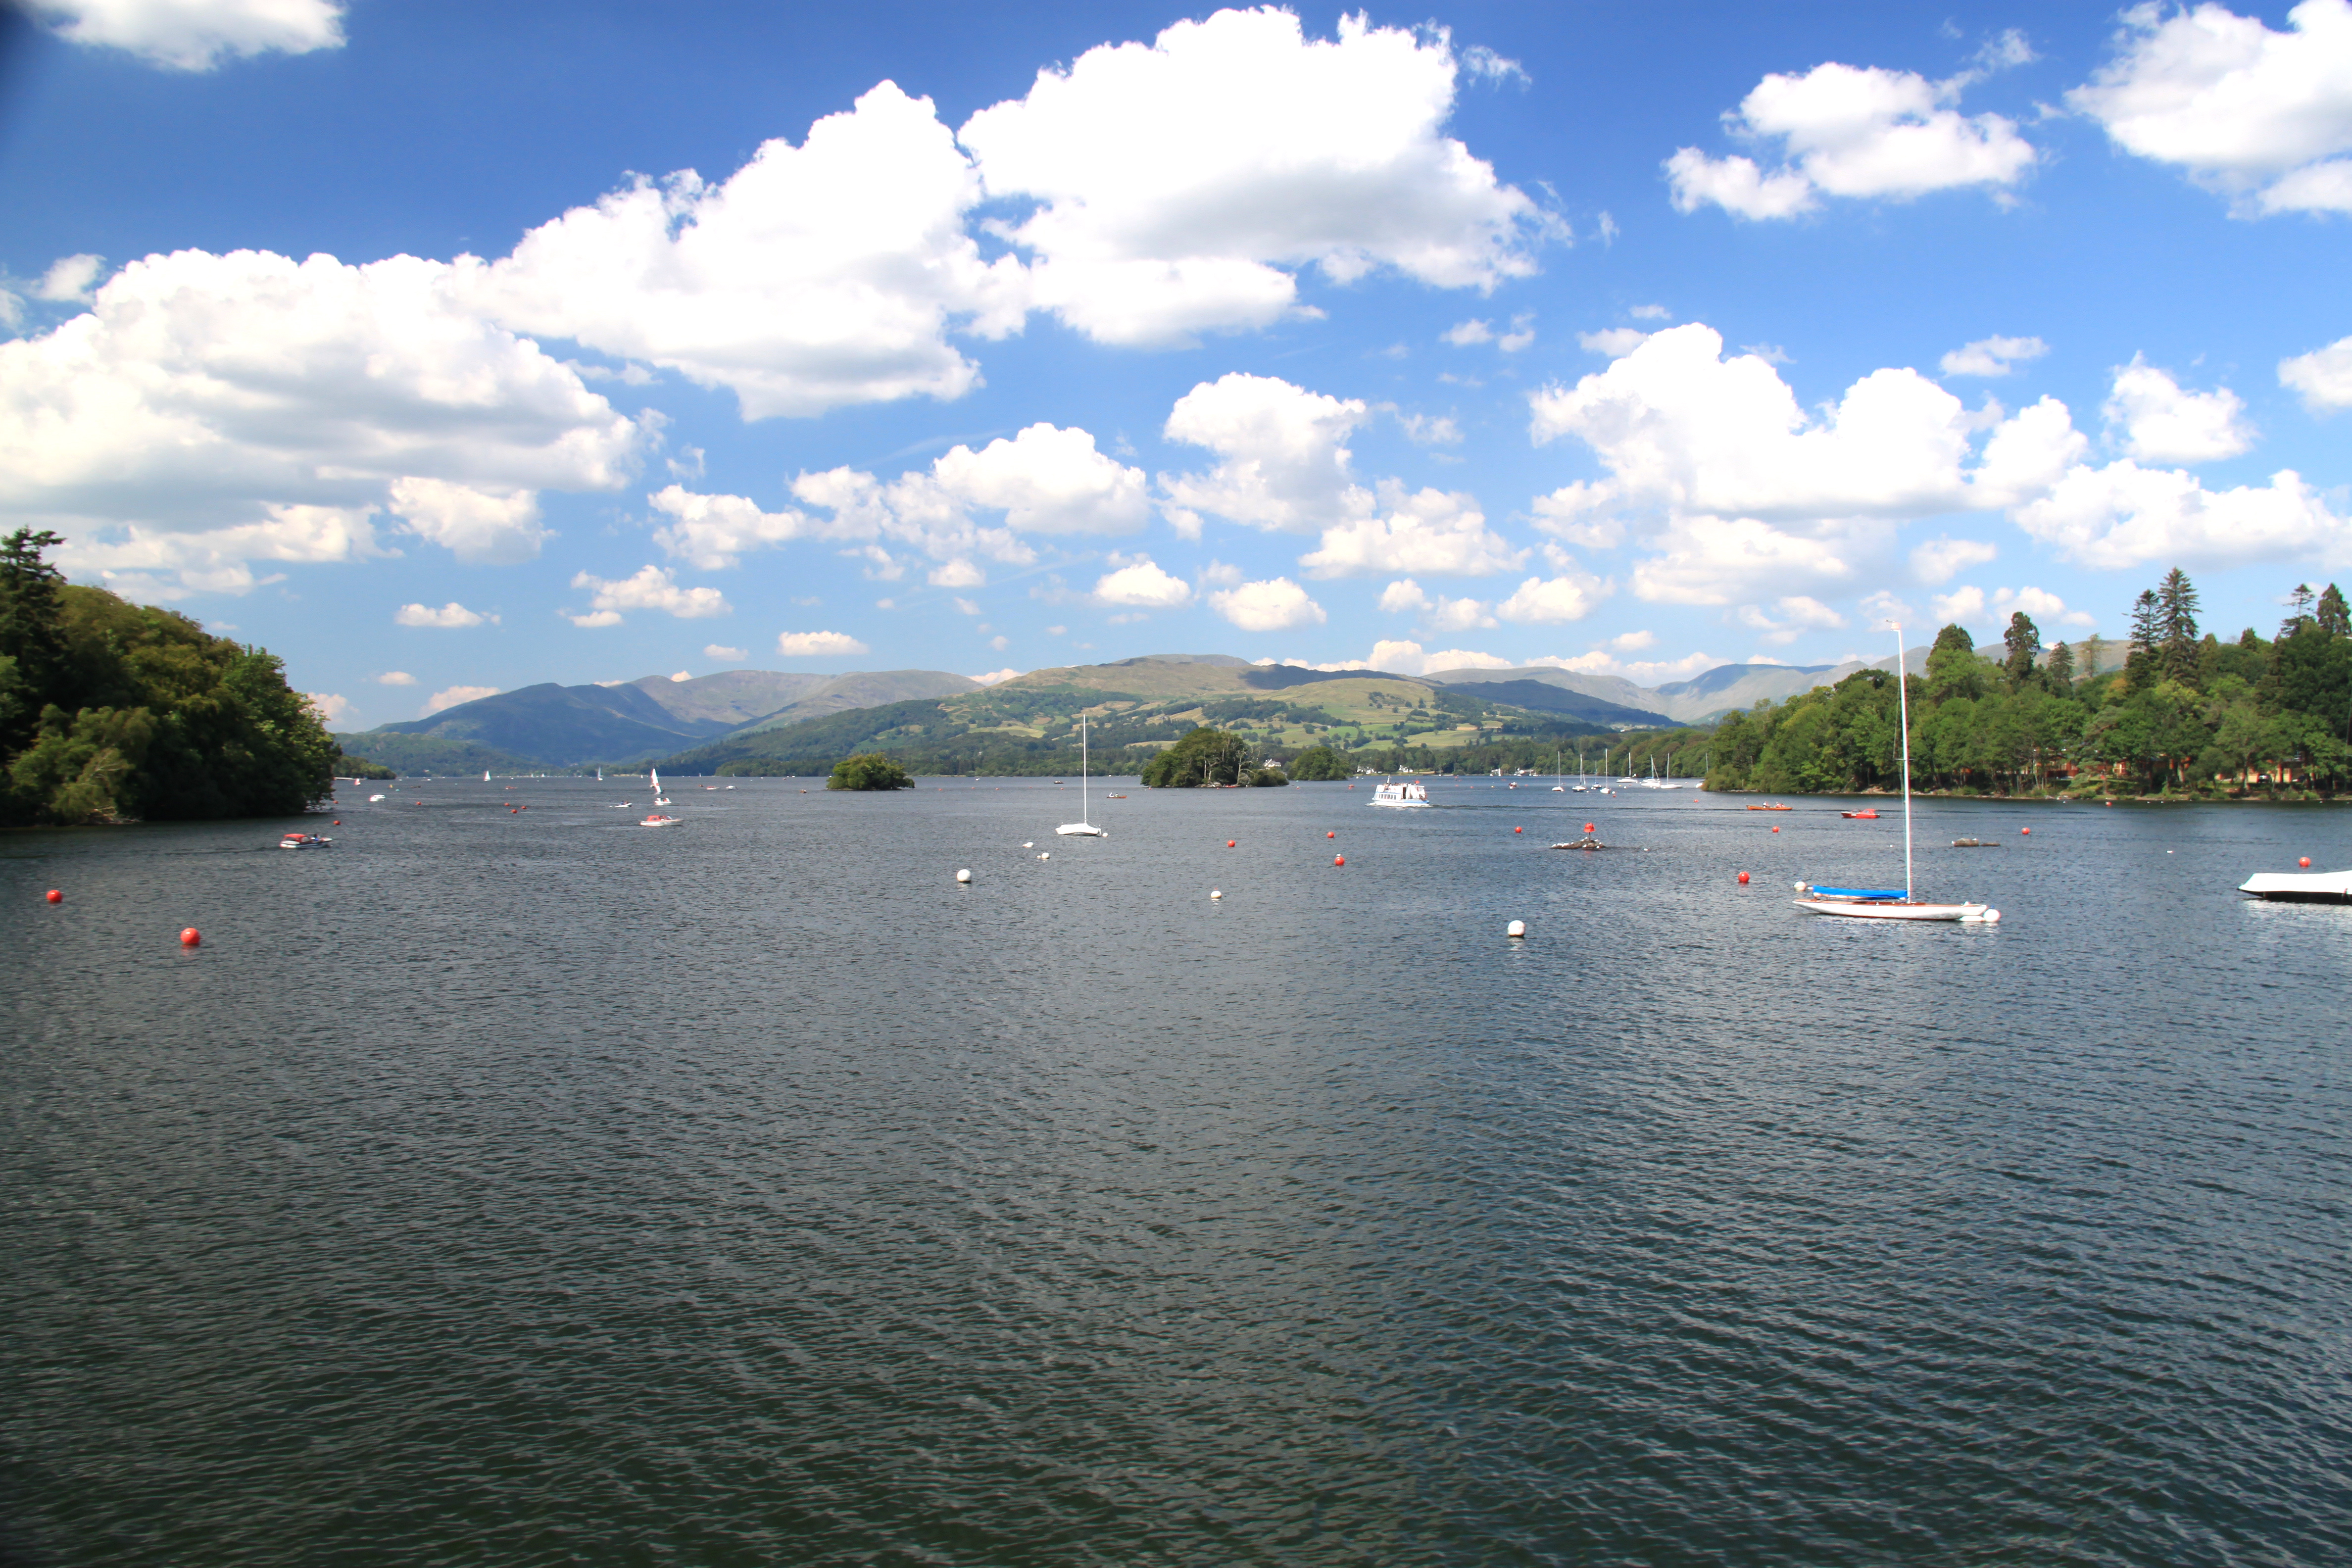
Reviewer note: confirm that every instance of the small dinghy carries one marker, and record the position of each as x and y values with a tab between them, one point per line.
2300	887
305	841
1587	842
1867	814
660	819
1976	844
1771	808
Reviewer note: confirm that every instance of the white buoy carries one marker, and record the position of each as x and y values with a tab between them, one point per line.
964	876
1048	855
1032	845
1516	927
1216	893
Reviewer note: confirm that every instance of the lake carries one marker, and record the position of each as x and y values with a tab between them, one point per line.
521	1186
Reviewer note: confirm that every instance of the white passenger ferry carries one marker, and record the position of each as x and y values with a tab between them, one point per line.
1412	791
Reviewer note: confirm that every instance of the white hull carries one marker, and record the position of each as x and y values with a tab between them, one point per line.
1403	805
1895	910
2301	887
1080	830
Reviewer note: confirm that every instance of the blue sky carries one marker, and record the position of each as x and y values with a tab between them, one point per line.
397	339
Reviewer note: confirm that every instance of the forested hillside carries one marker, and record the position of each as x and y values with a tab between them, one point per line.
2187	712
110	710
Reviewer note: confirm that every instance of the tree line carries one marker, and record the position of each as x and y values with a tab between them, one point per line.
2187	712
110	710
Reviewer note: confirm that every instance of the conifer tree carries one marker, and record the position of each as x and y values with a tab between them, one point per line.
2298	610
2058	670
2332	614
2145	656
2175	600
2023	641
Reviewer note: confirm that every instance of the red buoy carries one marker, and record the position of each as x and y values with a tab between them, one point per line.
2304	863
1331	835
1338	859
1229	844
2025	830
1776	830
1519	830
1743	878
1588	827
58	897
339	822
192	936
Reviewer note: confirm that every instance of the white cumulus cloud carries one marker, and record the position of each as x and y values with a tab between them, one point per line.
649	588
330	708
1797	614
819	645
1848	131
1554	601
2125	515
451	615
472	523
1429	530
2324	376
1268	606
2263	116
1282	451
1614	341
1142	583
451	695
395	678
1941	558
210	406
70	279
725	654
1179	185
2161	423
1047	480
1991	356
1406	597
195	34
814	276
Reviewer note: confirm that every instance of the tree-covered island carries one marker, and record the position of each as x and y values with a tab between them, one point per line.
112	711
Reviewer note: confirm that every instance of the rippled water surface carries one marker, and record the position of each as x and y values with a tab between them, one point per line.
524	1187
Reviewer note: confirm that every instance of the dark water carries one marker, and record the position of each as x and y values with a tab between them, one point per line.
528	1188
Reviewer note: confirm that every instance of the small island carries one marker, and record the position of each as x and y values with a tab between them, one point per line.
868	770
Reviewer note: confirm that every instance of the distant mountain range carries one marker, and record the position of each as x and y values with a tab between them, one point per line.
633	721
743	715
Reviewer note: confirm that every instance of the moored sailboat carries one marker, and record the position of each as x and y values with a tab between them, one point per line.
1082	827
1894	903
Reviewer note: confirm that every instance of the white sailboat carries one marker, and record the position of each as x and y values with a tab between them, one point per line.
659	798
1082	828
1894	903
1557	787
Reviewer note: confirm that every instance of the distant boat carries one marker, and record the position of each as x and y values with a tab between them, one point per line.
659	798
1557	787
1867	814
374	797
659	819
2300	887
1411	793
1771	808
486	775
304	841
1893	903
1081	828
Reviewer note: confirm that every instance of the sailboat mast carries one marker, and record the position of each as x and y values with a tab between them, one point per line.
1085	813
1902	704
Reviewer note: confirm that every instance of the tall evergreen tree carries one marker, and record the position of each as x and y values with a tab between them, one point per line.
2058	670
2298	610
2023	641
2175	599
32	642
2146	656
2332	614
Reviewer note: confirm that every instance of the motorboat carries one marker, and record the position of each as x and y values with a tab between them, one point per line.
1867	814
305	841
2300	887
1411	793
661	819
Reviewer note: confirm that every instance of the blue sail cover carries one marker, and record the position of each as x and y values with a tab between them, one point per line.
1862	892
